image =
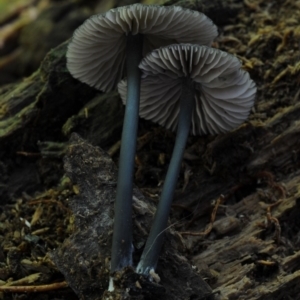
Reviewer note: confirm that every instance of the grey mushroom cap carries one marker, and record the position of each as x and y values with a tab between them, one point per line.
224	93
96	54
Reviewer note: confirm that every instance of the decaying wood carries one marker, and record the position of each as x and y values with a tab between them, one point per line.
84	258
38	114
252	250
248	261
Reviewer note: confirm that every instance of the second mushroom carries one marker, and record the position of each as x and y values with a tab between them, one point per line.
194	89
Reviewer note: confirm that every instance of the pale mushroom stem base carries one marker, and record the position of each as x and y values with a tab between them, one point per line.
122	234
154	243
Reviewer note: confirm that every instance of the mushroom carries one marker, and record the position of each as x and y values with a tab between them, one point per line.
194	89
106	47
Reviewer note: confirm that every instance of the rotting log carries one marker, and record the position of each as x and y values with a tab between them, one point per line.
253	250
247	254
84	257
38	114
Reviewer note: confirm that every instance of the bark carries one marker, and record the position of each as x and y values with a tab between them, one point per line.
84	257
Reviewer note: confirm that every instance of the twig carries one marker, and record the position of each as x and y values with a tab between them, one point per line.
271	219
266	263
212	219
28	154
275	221
114	149
34	288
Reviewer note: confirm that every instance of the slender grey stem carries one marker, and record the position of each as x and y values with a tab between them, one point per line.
122	234
155	240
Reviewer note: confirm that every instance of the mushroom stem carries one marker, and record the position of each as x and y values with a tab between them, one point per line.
122	234
154	242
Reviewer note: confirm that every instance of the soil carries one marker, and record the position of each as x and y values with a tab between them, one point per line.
234	228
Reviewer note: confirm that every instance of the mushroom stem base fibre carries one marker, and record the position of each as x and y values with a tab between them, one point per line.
156	237
122	234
